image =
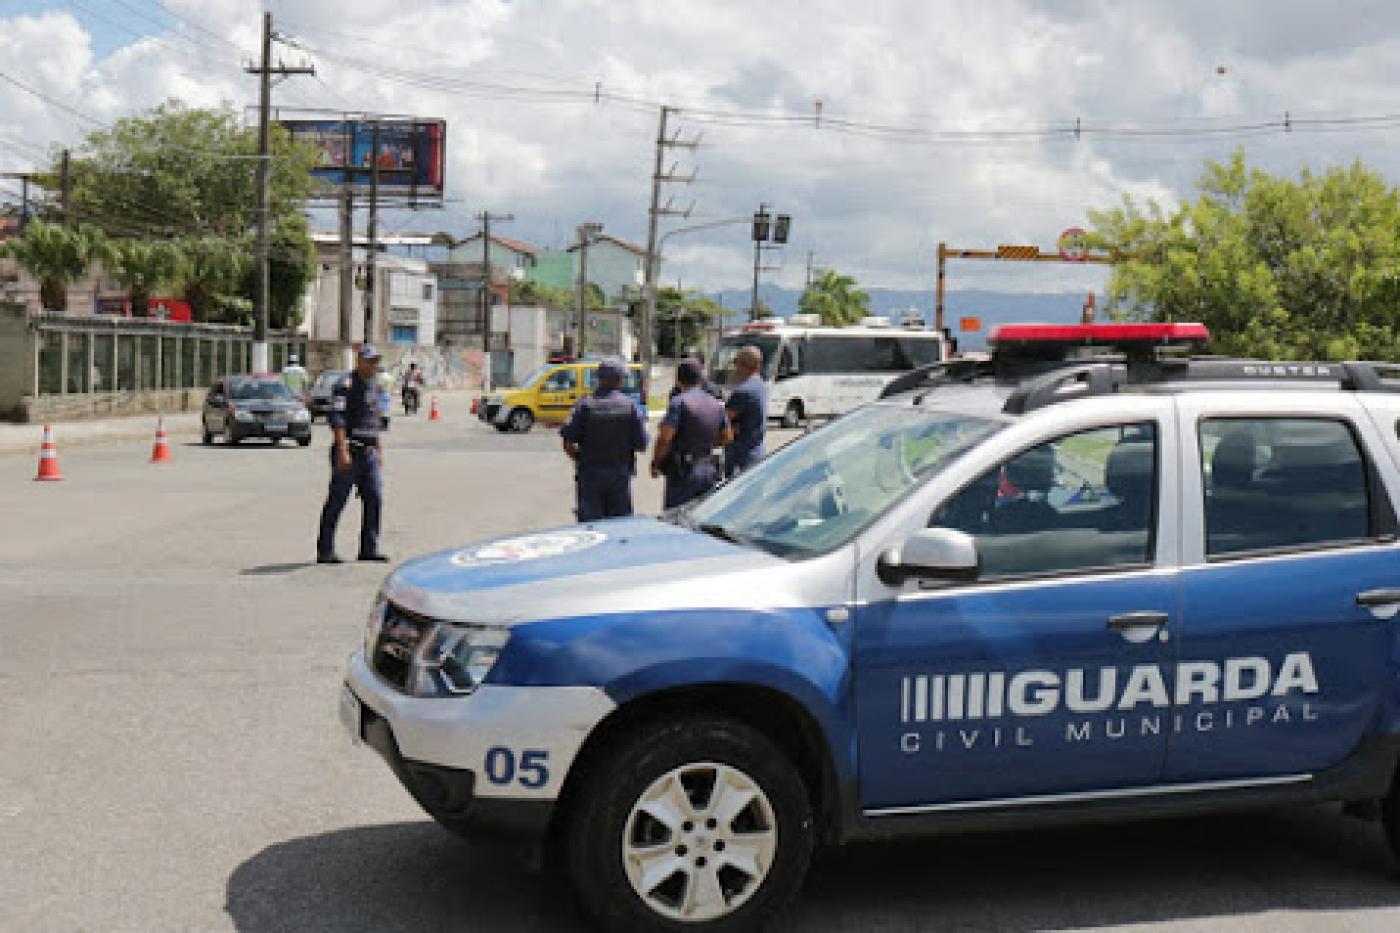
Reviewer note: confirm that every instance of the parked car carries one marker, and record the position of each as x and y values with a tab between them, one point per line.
548	394
318	400
239	407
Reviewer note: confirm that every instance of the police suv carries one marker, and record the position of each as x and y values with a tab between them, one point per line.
1041	588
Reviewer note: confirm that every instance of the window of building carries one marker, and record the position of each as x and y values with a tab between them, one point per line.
126	362
403	333
427	291
103	377
78	375
1086	501
1283	483
50	362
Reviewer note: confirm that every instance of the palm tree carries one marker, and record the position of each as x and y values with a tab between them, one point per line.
57	256
142	266
835	299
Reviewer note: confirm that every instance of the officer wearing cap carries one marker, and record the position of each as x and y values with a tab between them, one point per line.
603	435
356	458
695	424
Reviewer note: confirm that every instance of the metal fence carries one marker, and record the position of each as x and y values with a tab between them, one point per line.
80	355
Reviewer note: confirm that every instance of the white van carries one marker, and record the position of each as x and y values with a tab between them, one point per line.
816	371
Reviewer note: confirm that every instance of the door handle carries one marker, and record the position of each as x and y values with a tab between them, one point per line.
1372	598
1131	620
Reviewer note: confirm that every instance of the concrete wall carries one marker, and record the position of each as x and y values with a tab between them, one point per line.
443	367
399	298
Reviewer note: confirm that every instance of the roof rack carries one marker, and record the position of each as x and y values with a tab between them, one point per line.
1104	378
938	374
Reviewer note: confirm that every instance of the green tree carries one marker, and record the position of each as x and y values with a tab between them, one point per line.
183	171
57	256
214	268
291	266
142	266
1287	268
682	317
835	298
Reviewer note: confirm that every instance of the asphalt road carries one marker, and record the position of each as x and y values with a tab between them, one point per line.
170	757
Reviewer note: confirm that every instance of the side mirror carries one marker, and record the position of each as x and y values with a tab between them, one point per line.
931	554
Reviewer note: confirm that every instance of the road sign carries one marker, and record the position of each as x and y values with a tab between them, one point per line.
1074	245
969	325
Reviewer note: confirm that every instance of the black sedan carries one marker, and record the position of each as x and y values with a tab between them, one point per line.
319	398
239	407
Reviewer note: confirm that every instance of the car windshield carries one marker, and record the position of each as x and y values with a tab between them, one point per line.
722	367
261	390
821	491
535	375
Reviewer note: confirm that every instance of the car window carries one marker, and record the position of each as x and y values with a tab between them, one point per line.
590	378
262	390
1274	483
1085	501
561	380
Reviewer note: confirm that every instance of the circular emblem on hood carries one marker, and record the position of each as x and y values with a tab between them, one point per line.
528	547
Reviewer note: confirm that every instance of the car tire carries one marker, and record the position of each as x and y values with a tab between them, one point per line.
792	415
770	835
521	420
1390	816
304	442
207	438
231	437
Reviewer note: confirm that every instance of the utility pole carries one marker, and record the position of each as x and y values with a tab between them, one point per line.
65	188
810	254
265	70
654	214
486	298
347	272
586	233
372	240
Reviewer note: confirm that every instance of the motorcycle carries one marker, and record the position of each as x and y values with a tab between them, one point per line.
411	397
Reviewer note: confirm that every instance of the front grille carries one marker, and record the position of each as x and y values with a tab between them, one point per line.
399	639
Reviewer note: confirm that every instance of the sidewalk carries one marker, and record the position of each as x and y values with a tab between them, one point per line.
26	438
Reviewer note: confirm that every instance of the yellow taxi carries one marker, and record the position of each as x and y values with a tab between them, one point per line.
548	394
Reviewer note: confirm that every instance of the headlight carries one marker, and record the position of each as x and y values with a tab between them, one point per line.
302	415
374	623
243	414
454	659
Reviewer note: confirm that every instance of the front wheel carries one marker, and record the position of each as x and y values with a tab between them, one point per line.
230	435
1390	816
702	824
521	420
792	415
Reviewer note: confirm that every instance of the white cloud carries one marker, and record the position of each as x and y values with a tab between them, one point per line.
875	207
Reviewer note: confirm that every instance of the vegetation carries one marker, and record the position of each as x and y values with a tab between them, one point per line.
143	266
57	256
682	317
1276	267
835	298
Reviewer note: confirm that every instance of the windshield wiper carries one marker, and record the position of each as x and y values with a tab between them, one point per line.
719	531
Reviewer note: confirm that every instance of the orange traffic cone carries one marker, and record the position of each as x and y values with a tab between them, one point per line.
48	458
161	452
434	415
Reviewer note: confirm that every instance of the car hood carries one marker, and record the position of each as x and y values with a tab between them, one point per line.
624	565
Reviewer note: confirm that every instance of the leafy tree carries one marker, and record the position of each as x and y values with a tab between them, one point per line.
183	171
1305	268
682	317
57	256
835	298
142	266
291	266
214	268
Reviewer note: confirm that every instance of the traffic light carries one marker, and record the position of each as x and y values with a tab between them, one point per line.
780	228
760	226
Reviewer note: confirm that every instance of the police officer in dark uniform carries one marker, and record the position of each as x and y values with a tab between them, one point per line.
356	458
695	424
603	435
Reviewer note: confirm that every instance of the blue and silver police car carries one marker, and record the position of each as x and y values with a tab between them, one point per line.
1096	588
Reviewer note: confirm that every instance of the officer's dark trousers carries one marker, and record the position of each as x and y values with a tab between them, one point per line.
364	474
701	480
735	463
604	492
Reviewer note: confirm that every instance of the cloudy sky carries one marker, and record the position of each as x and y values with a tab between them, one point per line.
941	120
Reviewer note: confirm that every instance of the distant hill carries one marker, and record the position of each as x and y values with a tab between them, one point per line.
992	307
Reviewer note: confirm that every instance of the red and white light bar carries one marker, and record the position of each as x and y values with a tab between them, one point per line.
1101	335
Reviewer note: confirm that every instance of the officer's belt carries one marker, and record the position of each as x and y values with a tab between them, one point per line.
367	445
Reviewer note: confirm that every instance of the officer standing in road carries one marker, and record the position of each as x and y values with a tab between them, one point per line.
695	424
603	435
748	412
294	376
356	459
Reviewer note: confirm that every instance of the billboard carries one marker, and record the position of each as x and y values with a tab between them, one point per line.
409	153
